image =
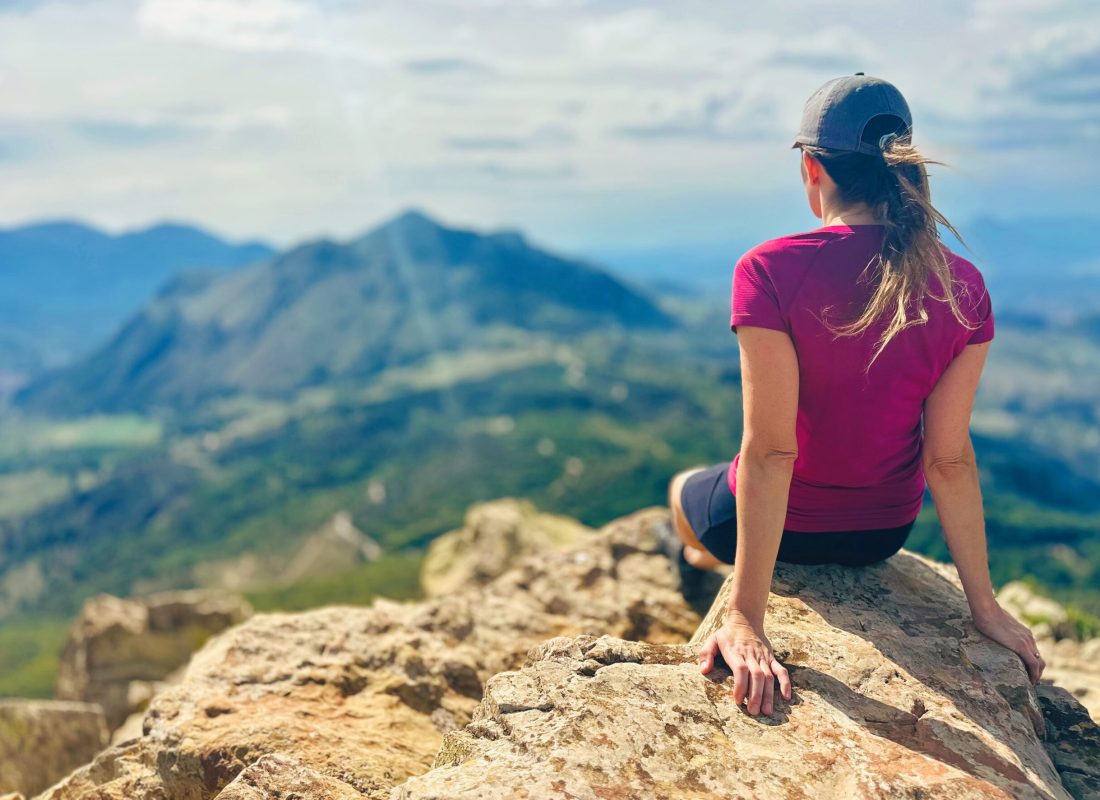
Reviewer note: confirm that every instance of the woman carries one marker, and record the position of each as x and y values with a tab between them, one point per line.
847	338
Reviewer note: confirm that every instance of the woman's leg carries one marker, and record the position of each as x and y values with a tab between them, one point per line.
694	552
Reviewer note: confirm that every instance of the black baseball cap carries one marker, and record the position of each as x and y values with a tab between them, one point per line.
836	114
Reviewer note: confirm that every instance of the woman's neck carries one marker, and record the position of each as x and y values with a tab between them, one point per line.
850	218
833	213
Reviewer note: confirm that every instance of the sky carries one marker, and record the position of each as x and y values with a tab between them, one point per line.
588	124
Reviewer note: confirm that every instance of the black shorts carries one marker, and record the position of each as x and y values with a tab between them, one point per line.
710	508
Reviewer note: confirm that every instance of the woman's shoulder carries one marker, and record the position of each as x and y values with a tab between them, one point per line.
787	245
963	269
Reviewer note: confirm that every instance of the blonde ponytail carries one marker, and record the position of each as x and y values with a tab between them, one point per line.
894	184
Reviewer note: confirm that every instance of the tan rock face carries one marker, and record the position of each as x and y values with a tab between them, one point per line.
119	651
127	771
896	694
493	537
42	741
277	777
573	674
364	695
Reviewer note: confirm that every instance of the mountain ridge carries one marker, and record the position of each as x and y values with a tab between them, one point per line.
69	284
325	309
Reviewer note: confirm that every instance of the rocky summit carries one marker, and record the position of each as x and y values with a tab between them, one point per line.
121	650
895	695
572	674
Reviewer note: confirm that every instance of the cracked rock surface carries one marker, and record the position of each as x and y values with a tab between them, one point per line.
896	694
573	675
364	695
277	777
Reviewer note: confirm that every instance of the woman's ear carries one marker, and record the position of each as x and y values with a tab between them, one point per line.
812	168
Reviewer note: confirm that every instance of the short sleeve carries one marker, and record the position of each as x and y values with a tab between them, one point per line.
755	300
983	316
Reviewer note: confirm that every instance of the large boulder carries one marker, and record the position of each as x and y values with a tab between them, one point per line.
493	536
896	694
42	741
120	651
364	695
573	674
127	770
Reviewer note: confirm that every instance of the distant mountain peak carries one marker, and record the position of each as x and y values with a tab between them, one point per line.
412	218
415	224
411	224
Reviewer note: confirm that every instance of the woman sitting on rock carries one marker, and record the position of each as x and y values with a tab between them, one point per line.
847	338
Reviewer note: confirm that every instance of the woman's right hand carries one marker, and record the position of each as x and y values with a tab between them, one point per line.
748	654
1002	627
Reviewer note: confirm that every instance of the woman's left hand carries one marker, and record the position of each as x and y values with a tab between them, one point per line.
1002	627
748	653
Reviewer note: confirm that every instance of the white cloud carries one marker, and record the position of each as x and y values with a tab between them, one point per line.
286	118
235	24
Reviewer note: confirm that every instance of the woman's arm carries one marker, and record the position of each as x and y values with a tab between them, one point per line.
763	486
951	472
955	487
769	385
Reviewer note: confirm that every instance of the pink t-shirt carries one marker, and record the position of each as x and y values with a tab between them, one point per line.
859	437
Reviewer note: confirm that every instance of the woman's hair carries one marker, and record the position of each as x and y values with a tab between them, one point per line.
894	184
